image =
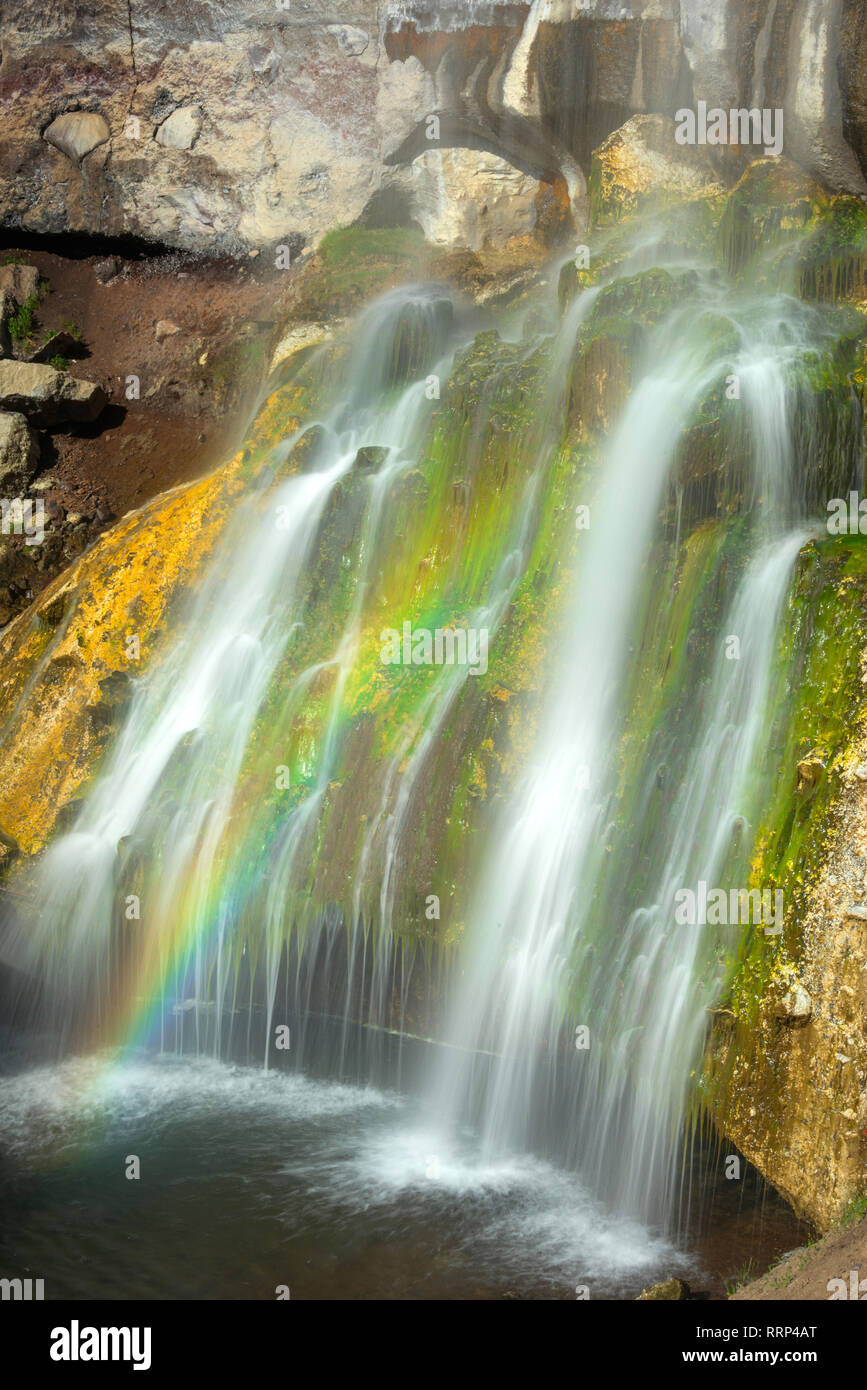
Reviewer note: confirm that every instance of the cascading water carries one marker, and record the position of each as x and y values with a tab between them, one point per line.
237	931
548	938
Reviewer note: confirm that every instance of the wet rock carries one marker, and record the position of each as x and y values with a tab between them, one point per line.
68	814
77	133
641	164
19	454
573	279
773	200
48	397
370	457
811	770
115	694
670	1290
300	458
180	130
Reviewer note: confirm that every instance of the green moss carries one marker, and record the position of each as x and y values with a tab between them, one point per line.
355	263
833	263
818	698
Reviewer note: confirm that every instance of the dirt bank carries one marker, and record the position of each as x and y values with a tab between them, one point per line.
806	1273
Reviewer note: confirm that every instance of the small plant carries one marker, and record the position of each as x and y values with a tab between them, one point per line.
59	362
22	322
856	1211
72	329
743	1276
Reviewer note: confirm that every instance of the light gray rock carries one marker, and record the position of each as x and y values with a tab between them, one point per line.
180	130
19	454
471	197
48	397
264	61
77	133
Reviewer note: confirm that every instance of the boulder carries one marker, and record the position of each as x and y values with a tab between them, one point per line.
60	344
670	1290
773	199
48	397
641	164
180	130
370	457
19	454
77	133
470	198
298	338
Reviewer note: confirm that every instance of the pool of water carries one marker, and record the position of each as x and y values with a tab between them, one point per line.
252	1180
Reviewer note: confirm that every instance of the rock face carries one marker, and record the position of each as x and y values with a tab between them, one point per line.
48	397
228	127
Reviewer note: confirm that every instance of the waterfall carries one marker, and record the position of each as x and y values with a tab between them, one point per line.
556	948
194	908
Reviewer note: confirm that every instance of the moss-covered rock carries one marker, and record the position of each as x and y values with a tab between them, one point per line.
773	201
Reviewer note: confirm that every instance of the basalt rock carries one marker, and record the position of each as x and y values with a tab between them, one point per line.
46	396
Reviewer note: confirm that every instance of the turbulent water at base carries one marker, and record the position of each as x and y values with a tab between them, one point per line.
561	936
